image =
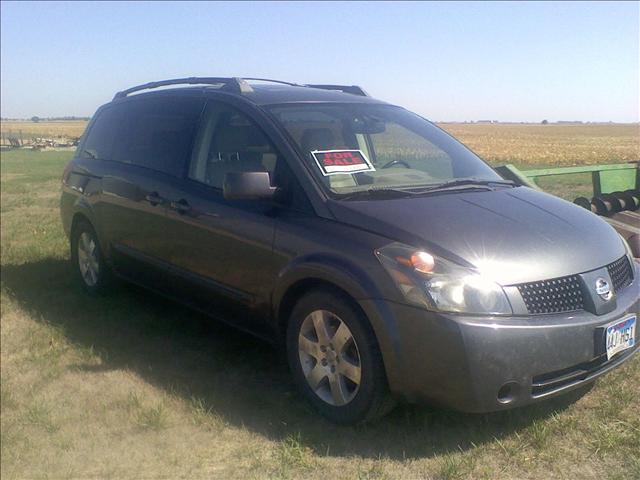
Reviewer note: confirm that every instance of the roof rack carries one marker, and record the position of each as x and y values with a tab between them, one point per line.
234	84
353	89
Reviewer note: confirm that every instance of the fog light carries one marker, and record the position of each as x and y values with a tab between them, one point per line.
508	392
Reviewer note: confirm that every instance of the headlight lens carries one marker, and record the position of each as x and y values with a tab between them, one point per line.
441	285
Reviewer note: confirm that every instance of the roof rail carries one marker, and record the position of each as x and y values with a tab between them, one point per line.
274	81
234	84
353	89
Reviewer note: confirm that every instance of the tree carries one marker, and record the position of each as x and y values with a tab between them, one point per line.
35	119
544	122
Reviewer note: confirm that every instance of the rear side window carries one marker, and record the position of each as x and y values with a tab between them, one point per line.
154	133
158	133
101	137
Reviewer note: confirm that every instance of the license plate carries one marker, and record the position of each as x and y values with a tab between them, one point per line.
620	336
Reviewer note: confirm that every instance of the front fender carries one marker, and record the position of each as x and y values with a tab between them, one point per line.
331	268
361	287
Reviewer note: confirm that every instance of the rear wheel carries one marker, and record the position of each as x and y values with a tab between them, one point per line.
87	259
335	359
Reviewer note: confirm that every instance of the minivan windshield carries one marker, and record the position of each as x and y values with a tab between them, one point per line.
354	148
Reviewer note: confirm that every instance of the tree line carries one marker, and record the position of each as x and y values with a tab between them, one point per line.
47	119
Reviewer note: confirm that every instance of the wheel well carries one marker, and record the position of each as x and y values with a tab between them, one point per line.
77	218
297	291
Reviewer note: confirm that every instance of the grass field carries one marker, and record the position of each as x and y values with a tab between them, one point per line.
133	386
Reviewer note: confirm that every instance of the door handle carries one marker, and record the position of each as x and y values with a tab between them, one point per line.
154	199
181	206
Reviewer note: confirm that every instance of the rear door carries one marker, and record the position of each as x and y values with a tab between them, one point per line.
149	152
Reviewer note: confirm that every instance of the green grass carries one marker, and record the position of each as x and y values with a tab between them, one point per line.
129	385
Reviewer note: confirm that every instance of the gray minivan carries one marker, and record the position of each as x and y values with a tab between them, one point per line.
386	257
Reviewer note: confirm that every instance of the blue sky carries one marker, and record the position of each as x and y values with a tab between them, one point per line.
447	61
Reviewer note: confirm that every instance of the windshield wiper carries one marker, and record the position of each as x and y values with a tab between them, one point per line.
468	182
376	193
383	192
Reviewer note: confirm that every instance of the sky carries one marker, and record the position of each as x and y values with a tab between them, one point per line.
448	61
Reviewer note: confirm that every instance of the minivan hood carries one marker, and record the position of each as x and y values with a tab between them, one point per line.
514	235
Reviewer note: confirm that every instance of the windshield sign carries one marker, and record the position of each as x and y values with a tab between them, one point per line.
332	162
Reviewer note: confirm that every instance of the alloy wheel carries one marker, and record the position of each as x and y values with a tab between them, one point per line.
88	259
329	357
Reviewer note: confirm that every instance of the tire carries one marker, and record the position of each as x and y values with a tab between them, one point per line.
329	362
87	259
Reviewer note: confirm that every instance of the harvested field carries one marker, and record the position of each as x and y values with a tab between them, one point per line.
526	145
534	145
43	128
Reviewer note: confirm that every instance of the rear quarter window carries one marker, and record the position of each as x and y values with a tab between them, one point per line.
158	133
154	133
102	134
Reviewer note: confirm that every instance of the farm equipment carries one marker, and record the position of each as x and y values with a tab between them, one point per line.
54	142
40	143
616	193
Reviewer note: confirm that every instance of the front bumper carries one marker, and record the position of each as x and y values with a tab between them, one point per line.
483	364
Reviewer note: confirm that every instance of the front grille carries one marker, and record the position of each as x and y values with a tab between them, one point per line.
620	273
553	296
564	294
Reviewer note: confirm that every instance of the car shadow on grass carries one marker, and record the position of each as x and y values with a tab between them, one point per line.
242	380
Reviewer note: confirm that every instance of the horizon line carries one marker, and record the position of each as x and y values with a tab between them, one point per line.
72	118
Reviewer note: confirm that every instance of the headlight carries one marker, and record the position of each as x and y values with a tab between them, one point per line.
441	285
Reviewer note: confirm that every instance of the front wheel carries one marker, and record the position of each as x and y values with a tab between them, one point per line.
335	359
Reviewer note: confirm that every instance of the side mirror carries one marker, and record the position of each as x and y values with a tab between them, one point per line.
247	186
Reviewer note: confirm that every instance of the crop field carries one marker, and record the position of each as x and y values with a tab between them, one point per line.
129	385
526	145
42	128
534	145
